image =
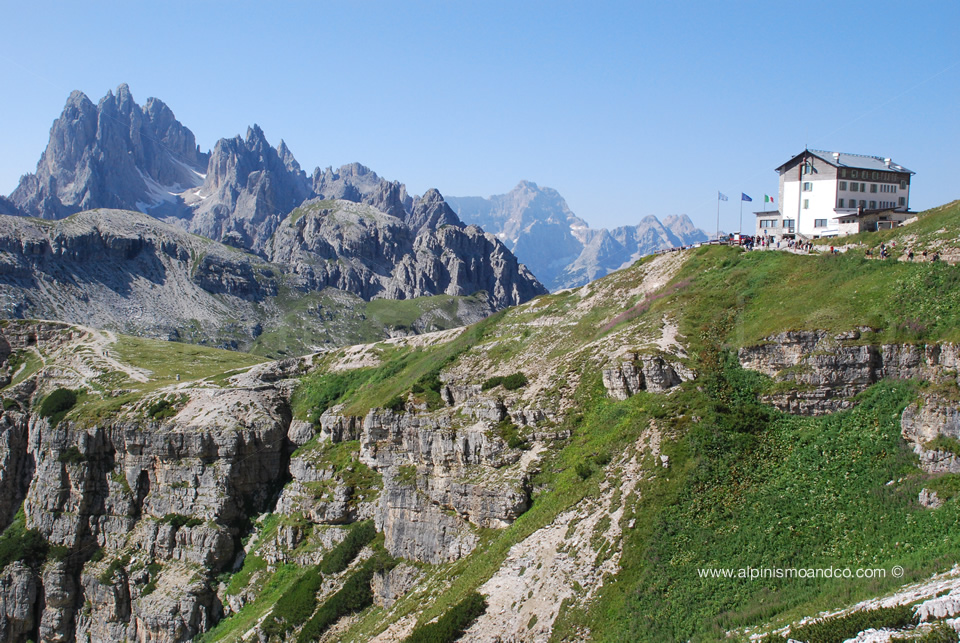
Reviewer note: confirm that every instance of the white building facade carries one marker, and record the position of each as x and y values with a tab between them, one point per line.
819	190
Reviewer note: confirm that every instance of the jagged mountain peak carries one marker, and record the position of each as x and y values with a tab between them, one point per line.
112	154
358	183
560	247
77	98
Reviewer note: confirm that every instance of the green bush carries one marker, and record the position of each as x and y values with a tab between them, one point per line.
15	360
515	381
179	520
115	565
161	409
837	629
428	382
19	543
339	558
939	633
354	596
584	470
492	382
944	443
395	404
10	405
153	569
452	624
57	552
509	382
510	433
71	455
57	404
295	605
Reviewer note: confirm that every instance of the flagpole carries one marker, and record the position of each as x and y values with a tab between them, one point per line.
741	214
718	215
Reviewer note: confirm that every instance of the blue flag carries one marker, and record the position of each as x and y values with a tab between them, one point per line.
721	196
744	197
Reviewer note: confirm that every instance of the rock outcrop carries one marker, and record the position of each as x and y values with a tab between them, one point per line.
933	416
827	370
654	373
358	248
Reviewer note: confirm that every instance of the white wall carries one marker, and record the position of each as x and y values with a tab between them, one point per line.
822	201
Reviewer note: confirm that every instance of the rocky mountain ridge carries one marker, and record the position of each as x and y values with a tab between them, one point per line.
129	272
560	247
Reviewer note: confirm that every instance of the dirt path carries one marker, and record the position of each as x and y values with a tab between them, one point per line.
101	344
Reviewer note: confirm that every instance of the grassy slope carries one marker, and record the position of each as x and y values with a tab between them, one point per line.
324	319
934	229
800	491
747	486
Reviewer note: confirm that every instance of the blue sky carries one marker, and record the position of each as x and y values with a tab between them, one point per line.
627	109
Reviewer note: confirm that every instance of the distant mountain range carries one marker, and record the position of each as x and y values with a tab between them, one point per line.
560	247
344	236
342	231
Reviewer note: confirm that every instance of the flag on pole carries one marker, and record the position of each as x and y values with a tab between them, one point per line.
744	197
721	196
767	199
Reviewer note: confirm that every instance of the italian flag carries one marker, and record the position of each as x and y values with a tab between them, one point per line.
767	199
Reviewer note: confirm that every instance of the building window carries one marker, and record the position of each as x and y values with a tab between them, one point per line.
903	201
807	186
853	174
873	188
863	203
894	190
843	185
768	223
876	175
873	205
788	223
806	204
853	187
839	203
903	185
819	223
843	173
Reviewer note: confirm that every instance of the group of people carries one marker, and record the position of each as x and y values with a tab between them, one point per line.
885	252
798	245
771	243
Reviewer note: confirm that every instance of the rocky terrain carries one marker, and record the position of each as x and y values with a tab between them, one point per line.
568	460
560	247
129	272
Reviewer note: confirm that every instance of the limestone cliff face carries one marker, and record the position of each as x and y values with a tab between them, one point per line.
149	510
127	271
358	248
827	369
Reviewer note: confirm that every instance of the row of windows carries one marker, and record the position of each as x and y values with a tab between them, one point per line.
862	187
852	203
867	174
768	223
819	223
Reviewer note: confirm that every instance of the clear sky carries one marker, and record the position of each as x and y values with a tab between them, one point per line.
627	108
